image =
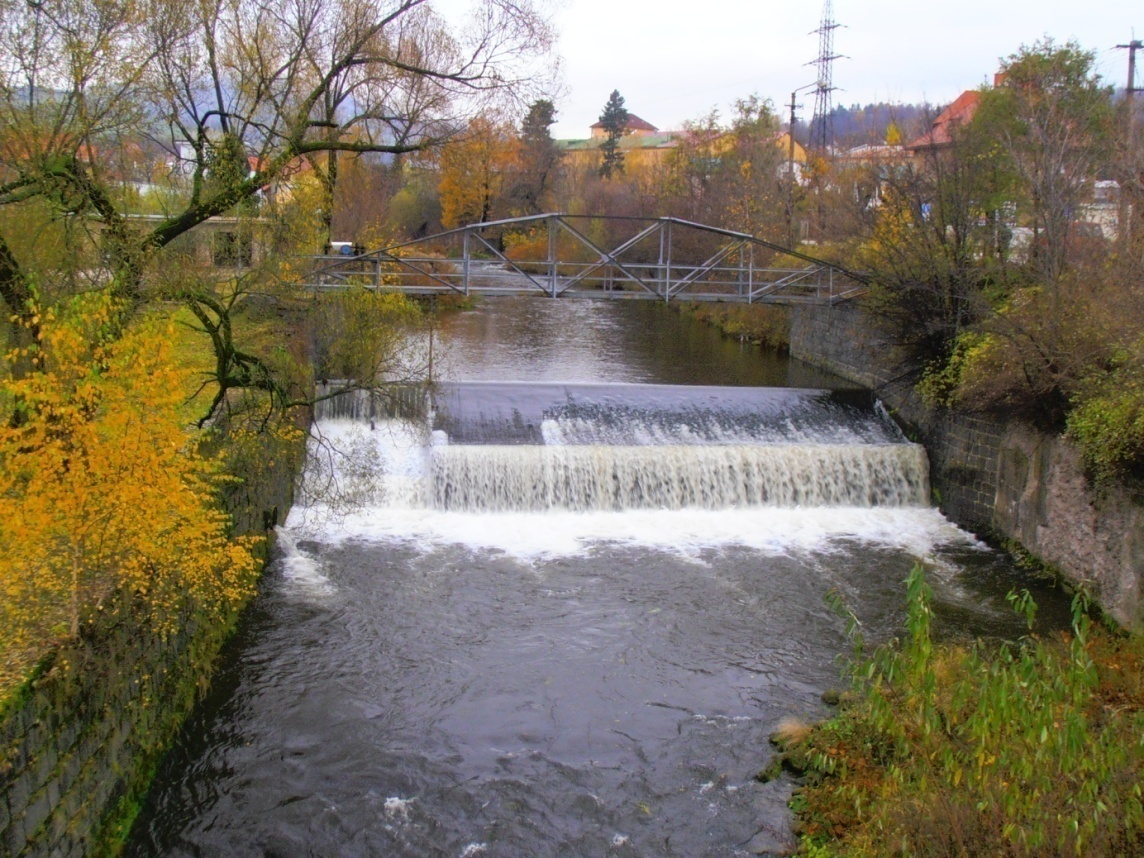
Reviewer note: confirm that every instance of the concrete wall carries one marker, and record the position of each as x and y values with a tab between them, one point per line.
994	477
79	746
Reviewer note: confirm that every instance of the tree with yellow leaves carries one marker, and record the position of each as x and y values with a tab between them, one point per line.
474	170
103	492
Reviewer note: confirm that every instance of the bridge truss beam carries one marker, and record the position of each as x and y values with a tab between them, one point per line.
650	264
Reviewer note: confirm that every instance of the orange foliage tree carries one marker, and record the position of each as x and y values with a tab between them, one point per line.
474	170
102	489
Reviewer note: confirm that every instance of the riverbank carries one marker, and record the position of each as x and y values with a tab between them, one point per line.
1027	748
82	733
1002	479
764	325
80	740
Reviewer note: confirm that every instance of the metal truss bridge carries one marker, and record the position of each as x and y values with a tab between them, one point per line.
564	256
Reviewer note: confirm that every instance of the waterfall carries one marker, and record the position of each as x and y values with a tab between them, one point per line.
479	478
604	448
337	400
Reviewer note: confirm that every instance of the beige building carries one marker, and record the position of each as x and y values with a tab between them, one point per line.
644	145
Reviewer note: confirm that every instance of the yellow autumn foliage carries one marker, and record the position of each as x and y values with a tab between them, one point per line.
474	170
102	489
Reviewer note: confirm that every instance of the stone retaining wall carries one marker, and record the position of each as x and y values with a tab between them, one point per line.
79	746
70	752
996	478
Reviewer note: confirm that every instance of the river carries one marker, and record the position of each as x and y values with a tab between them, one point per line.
565	621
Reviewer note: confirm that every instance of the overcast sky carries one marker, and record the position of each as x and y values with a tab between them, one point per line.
674	60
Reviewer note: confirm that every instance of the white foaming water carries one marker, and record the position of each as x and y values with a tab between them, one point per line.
600	478
552	433
402	510
300	570
701	430
398	808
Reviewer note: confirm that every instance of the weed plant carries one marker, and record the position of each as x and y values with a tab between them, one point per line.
1032	747
765	325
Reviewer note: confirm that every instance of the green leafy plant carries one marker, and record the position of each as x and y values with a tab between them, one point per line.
1107	420
1030	747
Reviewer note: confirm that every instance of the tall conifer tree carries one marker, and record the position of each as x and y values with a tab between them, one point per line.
539	158
615	121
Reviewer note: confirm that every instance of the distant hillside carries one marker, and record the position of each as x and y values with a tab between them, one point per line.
868	123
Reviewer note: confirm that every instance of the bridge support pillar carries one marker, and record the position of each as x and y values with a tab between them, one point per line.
750	273
552	261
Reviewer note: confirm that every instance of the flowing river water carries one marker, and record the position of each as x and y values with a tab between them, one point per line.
563	619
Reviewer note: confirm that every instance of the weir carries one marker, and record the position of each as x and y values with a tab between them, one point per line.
496	447
574	591
603	478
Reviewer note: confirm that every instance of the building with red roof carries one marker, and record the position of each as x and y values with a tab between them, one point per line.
635	127
944	127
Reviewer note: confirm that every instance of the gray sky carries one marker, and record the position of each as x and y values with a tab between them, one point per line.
674	60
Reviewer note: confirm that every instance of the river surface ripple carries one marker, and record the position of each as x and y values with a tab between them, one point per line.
419	682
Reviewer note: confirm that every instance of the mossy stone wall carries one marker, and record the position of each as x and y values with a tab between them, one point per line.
995	477
81	741
88	731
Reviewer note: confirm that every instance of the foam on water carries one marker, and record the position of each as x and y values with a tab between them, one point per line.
398	808
400	512
299	570
705	430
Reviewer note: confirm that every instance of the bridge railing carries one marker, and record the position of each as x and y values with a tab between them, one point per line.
734	283
477	265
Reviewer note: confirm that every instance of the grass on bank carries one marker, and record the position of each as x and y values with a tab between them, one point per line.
764	325
1033	747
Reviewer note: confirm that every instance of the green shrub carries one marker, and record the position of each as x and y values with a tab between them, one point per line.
1032	748
765	325
942	379
1107	420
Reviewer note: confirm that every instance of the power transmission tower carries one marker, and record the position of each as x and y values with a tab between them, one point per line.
822	125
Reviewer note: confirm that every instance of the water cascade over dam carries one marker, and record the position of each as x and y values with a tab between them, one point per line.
614	447
557	607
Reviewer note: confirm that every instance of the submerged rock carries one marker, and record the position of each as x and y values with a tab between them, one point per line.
774	836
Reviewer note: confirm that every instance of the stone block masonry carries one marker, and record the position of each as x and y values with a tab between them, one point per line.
81	741
994	477
72	747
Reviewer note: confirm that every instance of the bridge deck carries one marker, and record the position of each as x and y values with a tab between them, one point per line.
736	268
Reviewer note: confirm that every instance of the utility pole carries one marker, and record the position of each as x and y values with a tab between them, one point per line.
1126	214
1132	47
790	173
790	163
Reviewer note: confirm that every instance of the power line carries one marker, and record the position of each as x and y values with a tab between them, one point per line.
821	126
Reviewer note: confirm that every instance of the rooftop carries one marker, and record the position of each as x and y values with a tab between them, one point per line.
634	123
942	130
